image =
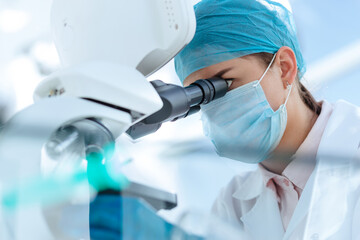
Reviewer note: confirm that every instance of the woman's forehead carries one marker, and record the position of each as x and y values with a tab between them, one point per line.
238	64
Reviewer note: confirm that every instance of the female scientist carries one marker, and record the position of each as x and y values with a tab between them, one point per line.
307	184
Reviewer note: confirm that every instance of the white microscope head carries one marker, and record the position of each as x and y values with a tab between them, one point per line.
142	34
108	47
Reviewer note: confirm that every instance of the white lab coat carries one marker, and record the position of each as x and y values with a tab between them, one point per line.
329	207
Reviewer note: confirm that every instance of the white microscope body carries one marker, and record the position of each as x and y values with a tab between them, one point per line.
107	48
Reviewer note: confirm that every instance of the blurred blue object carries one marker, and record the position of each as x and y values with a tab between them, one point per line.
228	29
117	217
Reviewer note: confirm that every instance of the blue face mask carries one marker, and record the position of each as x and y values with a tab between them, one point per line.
242	125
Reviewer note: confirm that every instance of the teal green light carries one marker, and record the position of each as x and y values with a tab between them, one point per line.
99	176
59	187
47	190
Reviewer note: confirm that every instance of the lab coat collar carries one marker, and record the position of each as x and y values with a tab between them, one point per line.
263	221
251	188
266	205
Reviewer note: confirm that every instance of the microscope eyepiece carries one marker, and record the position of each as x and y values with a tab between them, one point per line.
210	89
179	102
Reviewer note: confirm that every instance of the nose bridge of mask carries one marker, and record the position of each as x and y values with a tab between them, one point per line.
289	87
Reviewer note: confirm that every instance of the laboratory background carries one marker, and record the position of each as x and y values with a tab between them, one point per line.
178	158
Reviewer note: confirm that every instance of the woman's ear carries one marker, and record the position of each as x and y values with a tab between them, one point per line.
286	61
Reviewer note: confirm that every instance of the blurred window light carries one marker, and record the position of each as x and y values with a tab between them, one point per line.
12	21
46	52
45	55
334	65
22	72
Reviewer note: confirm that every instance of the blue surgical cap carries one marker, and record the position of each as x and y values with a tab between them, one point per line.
228	29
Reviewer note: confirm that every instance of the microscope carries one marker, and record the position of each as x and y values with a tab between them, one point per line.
107	49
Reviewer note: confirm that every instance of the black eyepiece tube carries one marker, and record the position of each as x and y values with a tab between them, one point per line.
179	102
194	94
221	87
211	89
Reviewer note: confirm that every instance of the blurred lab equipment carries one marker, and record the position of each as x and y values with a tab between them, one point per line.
135	212
135	219
7	97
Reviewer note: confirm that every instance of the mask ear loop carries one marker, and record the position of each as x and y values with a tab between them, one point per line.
267	69
289	87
